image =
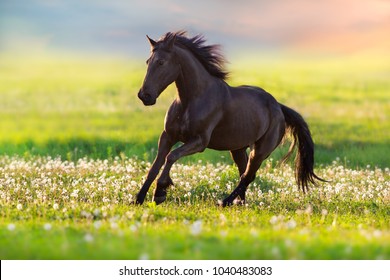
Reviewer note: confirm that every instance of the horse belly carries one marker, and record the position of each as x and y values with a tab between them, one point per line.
234	137
246	119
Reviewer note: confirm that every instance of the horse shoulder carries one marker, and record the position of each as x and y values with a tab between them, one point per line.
173	119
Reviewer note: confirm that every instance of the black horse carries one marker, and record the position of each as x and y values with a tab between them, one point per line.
208	113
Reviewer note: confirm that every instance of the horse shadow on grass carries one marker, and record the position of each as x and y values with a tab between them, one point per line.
76	148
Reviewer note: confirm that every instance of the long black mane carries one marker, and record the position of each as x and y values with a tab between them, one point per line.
209	56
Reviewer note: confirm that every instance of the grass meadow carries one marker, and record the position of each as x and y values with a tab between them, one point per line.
76	144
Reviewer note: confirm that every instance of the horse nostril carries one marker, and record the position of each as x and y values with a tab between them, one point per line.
147	97
144	96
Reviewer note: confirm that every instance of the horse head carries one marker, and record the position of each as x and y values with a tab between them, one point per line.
163	69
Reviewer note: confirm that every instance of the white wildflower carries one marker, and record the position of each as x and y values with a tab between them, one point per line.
377	233
11	227
47	226
97	224
88	238
291	224
223	233
196	228
222	218
144	257
309	210
133	228
254	232
273	220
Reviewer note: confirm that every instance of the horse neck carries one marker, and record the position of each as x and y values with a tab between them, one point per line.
193	79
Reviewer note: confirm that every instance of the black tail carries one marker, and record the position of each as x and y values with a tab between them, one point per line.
304	160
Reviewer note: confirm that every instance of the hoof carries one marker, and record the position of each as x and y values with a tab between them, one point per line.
159	199
135	202
223	203
239	201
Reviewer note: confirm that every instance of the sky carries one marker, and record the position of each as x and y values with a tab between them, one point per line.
120	26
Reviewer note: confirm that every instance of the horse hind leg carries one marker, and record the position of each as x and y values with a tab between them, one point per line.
247	177
240	157
260	151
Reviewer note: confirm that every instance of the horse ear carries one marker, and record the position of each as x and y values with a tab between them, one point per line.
171	42
151	41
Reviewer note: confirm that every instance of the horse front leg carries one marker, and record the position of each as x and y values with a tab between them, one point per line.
196	145
164	146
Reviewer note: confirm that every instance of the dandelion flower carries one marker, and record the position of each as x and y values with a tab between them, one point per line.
309	209
114	225
223	233
96	212
196	228
47	226
254	232
11	227
144	256
88	238
97	224
222	218
291	224
377	233
273	220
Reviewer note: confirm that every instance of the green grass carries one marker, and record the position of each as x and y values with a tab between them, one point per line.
54	209
85	112
170	239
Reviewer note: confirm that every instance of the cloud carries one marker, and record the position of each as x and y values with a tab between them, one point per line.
116	25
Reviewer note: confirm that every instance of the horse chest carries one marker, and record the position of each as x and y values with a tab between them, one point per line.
178	125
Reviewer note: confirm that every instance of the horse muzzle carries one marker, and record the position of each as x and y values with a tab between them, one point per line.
146	98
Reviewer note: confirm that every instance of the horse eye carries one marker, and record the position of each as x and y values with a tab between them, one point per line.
160	62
